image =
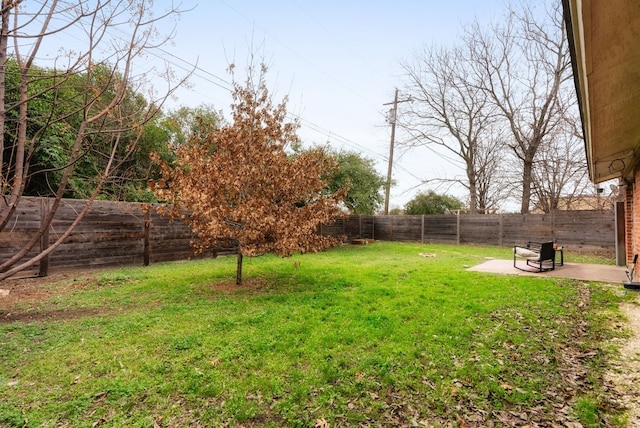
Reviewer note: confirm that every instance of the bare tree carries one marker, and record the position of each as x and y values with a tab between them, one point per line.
522	63
492	177
560	168
454	113
560	171
107	63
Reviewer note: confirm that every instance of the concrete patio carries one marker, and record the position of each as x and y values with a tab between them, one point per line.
582	271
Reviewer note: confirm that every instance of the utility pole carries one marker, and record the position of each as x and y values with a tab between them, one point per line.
392	120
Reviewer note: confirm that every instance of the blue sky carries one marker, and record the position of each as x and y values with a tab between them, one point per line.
337	61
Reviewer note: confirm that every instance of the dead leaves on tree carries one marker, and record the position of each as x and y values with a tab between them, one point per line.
239	183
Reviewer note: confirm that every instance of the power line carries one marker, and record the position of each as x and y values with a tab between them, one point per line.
179	62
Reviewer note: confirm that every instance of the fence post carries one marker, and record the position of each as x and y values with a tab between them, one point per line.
422	230
44	239
500	230
458	228
147	234
373	227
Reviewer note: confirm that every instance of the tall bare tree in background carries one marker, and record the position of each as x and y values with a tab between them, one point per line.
103	58
522	63
491	175
560	172
502	103
451	112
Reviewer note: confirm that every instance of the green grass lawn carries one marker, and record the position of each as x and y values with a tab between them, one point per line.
359	335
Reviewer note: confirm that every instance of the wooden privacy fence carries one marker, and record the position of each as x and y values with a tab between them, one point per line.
122	233
587	231
111	234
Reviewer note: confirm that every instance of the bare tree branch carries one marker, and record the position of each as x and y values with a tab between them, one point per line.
453	113
106	67
523	64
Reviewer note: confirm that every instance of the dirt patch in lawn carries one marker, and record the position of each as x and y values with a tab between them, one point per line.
20	298
32	316
34	288
624	376
248	285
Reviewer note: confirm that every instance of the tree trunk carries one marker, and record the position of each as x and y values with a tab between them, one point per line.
527	172
4	31
239	269
473	190
44	239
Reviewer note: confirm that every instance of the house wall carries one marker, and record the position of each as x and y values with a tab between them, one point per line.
632	216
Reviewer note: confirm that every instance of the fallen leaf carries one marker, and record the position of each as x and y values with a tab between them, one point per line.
461	422
157	421
322	423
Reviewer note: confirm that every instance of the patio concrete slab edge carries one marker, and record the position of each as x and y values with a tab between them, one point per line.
581	271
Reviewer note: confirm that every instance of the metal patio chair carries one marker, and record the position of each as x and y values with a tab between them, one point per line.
538	255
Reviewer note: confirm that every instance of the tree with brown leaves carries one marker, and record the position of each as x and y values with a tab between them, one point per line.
237	185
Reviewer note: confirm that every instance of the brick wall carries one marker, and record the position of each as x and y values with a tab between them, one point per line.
632	216
629	203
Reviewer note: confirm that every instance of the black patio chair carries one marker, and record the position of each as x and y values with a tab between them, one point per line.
538	255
